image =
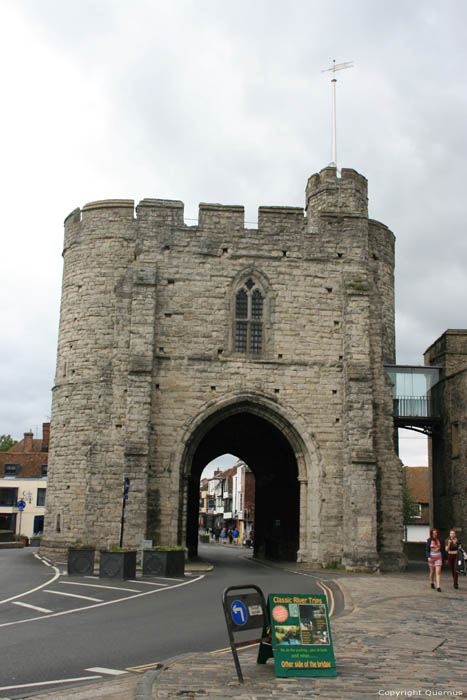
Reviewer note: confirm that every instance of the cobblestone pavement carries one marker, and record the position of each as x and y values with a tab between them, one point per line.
397	638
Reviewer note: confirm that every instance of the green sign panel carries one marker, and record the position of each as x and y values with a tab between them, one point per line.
301	635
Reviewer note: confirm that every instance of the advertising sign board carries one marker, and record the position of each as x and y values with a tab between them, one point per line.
301	635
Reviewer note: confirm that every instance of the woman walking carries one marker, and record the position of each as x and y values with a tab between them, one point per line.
435	554
452	545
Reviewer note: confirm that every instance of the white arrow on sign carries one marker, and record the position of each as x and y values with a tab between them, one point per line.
238	609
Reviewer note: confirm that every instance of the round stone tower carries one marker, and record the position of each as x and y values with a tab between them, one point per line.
87	446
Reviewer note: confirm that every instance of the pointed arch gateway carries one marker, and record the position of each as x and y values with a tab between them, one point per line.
255	429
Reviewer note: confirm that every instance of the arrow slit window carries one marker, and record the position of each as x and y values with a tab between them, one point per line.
249	322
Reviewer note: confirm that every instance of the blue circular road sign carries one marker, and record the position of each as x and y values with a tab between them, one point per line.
238	613
21	504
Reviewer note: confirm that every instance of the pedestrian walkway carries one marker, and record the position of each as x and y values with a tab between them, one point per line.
396	638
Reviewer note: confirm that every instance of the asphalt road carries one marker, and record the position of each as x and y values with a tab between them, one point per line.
66	626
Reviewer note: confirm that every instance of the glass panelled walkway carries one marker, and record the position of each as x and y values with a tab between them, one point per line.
415	396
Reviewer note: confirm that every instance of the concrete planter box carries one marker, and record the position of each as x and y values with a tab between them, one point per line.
167	564
119	565
204	539
81	562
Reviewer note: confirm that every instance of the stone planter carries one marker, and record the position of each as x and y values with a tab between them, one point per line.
204	539
160	563
81	562
119	565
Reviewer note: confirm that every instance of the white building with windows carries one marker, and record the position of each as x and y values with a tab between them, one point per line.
32	491
23	478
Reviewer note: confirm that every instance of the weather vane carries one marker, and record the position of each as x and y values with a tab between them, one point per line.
335	67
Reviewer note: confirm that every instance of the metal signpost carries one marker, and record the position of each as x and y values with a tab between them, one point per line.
21	505
126	489
243	611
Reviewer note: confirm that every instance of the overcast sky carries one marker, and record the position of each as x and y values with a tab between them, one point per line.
222	101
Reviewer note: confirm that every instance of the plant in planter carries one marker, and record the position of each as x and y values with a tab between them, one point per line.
117	562
81	559
164	561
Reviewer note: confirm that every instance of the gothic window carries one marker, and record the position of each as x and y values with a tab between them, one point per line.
249	321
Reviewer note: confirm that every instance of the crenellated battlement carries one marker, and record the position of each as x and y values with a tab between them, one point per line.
345	195
325	193
221	215
161	211
167	212
219	224
127	205
280	218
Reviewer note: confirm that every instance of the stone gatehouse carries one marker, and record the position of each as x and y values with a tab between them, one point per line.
180	343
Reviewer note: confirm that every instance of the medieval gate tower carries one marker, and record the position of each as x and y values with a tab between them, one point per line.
181	343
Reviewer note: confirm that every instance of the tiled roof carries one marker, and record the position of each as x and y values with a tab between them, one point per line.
418	484
20	446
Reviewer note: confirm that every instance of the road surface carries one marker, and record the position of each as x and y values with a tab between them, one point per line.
58	631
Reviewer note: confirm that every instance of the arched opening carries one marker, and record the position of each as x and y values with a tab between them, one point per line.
264	447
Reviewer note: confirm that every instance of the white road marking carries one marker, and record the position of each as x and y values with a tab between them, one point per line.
168	578
32	607
150	583
75	595
98	585
108	671
37	588
63	680
100	605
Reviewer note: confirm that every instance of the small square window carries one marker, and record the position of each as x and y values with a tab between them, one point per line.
11	470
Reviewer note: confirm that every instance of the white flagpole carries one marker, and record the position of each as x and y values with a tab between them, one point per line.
335	67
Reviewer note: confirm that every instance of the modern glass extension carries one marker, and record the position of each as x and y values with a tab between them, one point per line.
415	393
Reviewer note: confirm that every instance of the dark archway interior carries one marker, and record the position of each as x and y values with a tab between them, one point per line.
270	457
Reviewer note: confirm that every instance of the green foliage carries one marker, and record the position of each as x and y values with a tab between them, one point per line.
6	441
333	565
81	545
359	286
164	548
118	549
409	506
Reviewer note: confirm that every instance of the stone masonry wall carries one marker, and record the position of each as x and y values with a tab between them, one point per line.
146	350
448	464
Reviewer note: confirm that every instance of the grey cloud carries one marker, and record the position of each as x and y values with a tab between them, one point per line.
203	100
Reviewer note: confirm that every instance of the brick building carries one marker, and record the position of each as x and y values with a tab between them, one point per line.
23	475
181	343
418	484
227	501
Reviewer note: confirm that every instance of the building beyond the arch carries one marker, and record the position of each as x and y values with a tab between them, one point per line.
180	343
